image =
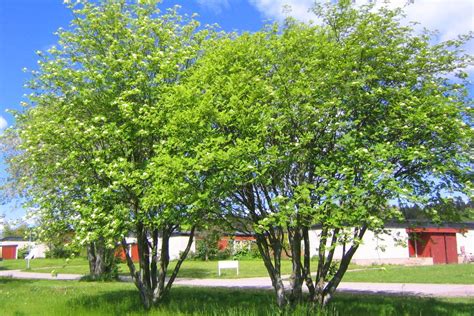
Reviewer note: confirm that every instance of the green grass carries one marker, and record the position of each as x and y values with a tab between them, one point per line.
441	274
34	297
208	270
76	265
189	269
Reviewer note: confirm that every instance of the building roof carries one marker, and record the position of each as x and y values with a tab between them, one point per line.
12	238
428	224
423	224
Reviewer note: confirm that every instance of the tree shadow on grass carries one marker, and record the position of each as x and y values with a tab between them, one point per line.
8	280
116	302
195	273
182	300
11	282
220	301
347	304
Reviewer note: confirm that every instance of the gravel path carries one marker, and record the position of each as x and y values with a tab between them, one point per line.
411	289
18	274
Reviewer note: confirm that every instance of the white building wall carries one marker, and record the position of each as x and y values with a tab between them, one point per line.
39	248
178	244
390	248
392	245
465	240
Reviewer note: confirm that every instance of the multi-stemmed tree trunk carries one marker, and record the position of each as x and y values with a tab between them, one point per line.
330	272
326	125
102	264
152	278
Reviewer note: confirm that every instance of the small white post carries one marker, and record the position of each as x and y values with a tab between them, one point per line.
29	252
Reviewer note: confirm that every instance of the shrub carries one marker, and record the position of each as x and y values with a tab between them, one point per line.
223	254
23	252
60	251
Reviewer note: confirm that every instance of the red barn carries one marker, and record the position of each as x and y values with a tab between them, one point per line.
238	238
8	252
438	243
132	250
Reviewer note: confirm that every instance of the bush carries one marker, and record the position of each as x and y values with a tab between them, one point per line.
254	252
223	254
60	251
191	255
23	252
247	250
205	250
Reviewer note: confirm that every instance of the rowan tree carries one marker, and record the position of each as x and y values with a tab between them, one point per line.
327	125
95	136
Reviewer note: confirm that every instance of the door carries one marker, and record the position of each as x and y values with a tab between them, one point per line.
451	248
438	248
9	252
444	248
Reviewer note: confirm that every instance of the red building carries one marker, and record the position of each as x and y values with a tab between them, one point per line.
9	247
8	252
438	243
132	250
238	238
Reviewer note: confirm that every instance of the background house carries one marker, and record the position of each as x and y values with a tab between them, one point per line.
177	244
411	243
10	247
239	240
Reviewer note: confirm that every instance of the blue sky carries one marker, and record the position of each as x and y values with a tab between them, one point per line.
28	25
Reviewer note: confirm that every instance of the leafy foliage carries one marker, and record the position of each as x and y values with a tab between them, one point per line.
327	125
142	122
97	151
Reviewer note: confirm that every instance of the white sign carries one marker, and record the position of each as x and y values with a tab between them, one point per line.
227	265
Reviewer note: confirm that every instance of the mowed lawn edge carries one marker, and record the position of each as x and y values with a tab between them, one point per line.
436	274
41	297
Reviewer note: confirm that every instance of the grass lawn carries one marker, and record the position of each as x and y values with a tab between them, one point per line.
76	265
34	297
449	273
454	274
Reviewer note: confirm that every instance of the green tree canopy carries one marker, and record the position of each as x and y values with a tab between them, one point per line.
328	125
94	144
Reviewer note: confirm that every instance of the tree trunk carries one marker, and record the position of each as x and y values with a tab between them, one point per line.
325	291
307	264
101	260
91	258
150	279
273	268
296	280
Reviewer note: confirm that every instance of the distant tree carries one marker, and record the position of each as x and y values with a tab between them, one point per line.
12	230
207	243
449	209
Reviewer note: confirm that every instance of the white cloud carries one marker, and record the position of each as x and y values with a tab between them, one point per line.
215	5
449	17
275	9
3	123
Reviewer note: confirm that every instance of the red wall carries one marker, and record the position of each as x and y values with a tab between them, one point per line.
9	252
135	252
120	254
224	241
440	244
